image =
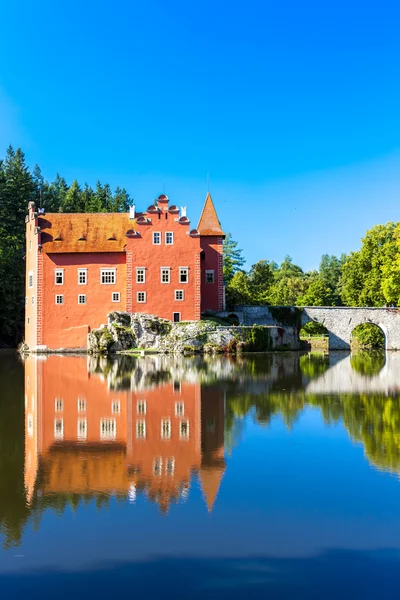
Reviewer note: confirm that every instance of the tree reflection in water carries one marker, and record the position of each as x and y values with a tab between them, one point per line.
54	471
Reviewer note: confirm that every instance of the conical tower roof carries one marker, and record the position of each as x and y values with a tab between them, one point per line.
209	223
210	479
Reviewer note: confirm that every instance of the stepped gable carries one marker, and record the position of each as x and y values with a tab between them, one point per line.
209	223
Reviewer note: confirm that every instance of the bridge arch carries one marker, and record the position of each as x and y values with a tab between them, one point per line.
341	322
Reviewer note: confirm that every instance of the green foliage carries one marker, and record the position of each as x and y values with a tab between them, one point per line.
317	294
368	335
314	364
313	328
368	363
18	186
238	291
232	257
260	279
285	315
370	276
258	339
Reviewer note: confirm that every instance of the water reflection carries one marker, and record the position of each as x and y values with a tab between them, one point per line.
156	426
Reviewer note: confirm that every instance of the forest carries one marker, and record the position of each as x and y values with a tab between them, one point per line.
368	277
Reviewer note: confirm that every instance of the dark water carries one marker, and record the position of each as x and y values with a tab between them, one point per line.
275	476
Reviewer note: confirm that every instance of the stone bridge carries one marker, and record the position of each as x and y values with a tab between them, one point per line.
339	321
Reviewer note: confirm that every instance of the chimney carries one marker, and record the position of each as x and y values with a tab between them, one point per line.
183	211
132	212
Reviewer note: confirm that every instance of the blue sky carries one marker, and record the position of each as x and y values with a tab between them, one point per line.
292	108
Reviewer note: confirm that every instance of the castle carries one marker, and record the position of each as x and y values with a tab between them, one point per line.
80	267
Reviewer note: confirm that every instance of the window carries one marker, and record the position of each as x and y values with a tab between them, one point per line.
30	244
116	297
58	405
140	429
170	466
179	295
157	466
26	300
141	296
81	298
156	238
169	238
165	429
176	317
33	299
209	276
82	276
108	276
30	279
141	407
179	409
177	386
59	299
115	407
81	405
140	275
59	276
183	275
28	320
165	275
184	430
82	429
58	429
30	425
108	429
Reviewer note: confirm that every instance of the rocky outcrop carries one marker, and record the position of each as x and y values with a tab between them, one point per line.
126	331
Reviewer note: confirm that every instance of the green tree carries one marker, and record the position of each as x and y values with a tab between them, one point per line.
73	200
260	279
318	293
232	257
120	201
364	272
237	291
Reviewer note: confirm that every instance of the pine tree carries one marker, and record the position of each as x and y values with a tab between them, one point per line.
232	257
120	201
73	201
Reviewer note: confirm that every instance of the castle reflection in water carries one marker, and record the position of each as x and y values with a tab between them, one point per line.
94	428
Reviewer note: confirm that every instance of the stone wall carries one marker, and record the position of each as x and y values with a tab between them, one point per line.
126	331
339	321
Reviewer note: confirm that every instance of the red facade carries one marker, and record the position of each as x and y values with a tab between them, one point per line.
80	267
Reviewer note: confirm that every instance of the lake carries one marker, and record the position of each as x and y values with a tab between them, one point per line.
275	475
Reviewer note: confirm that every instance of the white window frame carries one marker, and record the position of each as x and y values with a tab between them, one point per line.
141	404
108	433
165	270
115	296
26	300
85	273
167	233
170	462
179	292
58	405
116	407
81	405
184	437
58	273
186	270
167	421
82	435
142	271
144	296
62	299
157	471
179	409
141	429
111	272
155	233
30	279
58	435
210	272
80	296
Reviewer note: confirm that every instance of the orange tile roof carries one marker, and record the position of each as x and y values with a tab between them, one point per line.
209	223
84	232
210	478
